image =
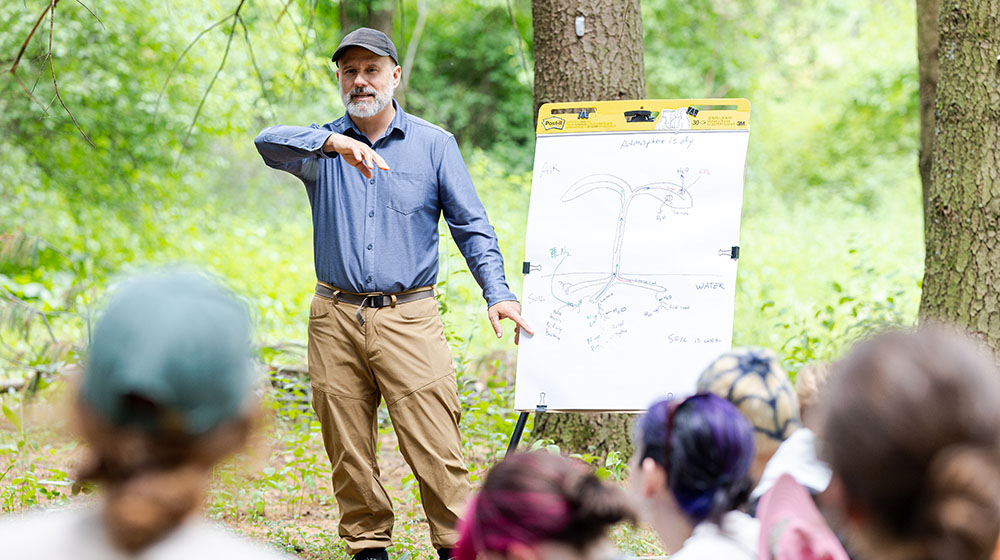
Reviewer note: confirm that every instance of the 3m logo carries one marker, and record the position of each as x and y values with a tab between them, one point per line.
556	123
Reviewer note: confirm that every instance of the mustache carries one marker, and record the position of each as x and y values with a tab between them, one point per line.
364	90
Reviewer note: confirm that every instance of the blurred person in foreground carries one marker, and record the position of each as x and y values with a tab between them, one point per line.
166	395
691	473
539	505
752	379
911	427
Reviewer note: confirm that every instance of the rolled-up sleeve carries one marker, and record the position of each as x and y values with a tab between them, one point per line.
291	148
466	217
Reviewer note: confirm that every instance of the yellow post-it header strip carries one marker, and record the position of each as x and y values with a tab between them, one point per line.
644	115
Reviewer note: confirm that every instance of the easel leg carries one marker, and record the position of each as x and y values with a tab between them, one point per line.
515	437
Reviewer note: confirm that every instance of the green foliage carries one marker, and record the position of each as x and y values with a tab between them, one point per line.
477	89
831	232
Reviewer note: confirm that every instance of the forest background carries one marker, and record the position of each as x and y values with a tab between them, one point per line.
832	230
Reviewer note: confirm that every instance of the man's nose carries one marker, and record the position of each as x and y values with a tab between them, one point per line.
360	81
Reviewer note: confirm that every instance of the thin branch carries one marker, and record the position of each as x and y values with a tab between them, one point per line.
18	301
256	69
520	48
24	45
92	13
225	55
177	62
305	46
284	10
52	67
411	49
312	17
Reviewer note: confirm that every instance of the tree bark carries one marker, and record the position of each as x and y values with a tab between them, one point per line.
604	64
927	56
376	14
962	269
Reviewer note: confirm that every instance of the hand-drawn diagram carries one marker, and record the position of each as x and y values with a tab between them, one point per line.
629	280
593	299
670	195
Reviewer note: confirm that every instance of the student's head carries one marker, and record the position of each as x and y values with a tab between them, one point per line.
693	457
911	421
368	71
753	380
540	505
165	395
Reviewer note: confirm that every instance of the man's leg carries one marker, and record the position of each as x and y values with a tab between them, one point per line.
345	398
415	371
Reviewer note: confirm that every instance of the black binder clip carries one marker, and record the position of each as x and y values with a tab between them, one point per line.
733	253
692	111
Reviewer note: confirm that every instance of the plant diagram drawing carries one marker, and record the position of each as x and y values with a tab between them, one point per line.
670	195
604	317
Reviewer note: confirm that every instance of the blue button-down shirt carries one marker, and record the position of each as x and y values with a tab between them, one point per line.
381	234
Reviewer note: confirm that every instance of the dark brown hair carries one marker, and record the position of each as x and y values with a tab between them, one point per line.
152	482
910	425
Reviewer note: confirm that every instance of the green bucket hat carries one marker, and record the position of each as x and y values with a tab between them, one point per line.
170	354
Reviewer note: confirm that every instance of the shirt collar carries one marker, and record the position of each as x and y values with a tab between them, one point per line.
399	122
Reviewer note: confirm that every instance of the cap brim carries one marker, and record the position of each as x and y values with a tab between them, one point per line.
340	51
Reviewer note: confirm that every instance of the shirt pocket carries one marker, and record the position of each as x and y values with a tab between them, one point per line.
408	192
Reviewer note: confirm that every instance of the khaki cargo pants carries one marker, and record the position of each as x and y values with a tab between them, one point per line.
399	354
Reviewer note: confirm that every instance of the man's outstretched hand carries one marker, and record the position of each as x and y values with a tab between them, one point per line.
356	153
508	310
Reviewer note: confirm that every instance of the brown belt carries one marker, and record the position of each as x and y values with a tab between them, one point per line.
374	300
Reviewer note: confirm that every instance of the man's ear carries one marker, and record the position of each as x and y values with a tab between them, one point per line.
654	477
397	75
521	551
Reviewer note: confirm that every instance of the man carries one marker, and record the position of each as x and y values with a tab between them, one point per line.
378	181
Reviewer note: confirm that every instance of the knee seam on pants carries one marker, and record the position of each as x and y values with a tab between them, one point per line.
338	395
424	386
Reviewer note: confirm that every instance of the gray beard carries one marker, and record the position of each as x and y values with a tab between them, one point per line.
365	109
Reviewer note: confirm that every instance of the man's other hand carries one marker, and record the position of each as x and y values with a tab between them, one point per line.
508	310
356	153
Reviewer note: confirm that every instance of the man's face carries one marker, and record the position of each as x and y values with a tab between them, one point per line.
367	81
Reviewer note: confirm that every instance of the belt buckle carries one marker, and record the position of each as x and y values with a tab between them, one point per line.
376	302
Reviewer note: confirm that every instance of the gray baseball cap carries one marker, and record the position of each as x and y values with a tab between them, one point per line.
371	39
170	354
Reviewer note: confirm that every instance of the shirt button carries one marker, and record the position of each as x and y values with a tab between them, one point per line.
371	213
372	181
369	279
369	246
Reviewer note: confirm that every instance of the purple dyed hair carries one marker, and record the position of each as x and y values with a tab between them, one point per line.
706	447
533	497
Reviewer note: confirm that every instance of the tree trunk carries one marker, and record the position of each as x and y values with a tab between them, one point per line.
927	55
962	270
604	64
376	14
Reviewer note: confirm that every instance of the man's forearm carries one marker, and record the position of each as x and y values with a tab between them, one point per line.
283	143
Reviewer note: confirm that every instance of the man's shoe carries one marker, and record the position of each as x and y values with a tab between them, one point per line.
371	554
445	553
